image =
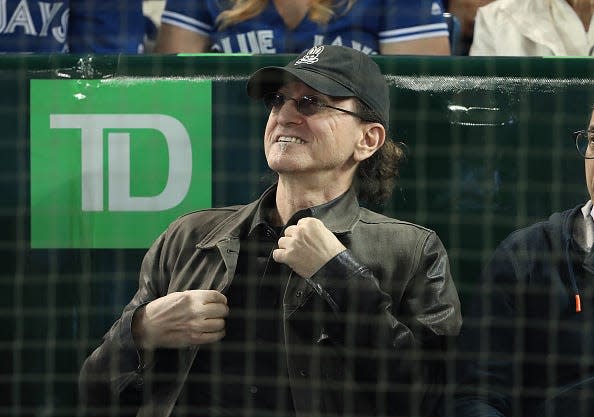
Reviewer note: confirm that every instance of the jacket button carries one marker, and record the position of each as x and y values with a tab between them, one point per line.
139	383
299	293
302	372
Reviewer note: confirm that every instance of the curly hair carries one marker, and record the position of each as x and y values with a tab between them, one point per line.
321	11
376	176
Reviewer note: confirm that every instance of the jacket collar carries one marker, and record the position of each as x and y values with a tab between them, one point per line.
339	216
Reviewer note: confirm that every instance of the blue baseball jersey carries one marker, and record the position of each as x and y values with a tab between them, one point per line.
364	27
81	26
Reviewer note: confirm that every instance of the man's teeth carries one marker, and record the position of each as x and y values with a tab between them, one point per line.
290	139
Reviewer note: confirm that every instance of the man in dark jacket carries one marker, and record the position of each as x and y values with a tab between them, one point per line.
527	345
301	303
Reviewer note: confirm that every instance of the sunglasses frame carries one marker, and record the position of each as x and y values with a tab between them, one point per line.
578	137
275	101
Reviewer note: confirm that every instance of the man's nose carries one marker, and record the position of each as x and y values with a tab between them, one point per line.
288	112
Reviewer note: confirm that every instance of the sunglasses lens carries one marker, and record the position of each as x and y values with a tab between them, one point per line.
274	101
308	105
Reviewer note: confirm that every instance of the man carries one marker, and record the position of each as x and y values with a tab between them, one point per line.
319	307
527	345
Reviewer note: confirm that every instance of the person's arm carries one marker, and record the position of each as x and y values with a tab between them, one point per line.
153	328
413	27
400	326
186	27
115	368
410	331
174	39
428	46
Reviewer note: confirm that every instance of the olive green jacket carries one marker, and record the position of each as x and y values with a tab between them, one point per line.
365	335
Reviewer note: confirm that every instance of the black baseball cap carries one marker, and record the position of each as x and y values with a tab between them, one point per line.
333	70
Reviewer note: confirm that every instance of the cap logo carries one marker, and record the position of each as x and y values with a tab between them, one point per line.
310	56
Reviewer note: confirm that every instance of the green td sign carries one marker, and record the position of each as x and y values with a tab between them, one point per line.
113	162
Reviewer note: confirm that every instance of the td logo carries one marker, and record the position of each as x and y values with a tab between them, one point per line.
114	162
92	126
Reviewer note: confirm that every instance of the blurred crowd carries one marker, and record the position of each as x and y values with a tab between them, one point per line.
412	27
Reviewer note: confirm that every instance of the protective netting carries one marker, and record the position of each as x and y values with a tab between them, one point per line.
489	151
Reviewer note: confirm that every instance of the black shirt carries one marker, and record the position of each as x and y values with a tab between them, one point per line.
245	374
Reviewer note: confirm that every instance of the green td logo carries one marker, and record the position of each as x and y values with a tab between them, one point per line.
114	162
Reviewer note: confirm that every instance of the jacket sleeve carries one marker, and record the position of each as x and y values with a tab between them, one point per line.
401	325
112	376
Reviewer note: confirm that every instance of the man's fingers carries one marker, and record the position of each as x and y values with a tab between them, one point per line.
210	296
208	337
290	231
277	255
282	242
214	310
212	325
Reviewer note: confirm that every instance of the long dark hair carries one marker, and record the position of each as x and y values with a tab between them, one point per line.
376	175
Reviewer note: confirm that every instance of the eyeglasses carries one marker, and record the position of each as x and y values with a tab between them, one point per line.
306	105
584	142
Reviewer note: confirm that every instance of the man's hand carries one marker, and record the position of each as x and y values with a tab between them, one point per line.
307	246
181	319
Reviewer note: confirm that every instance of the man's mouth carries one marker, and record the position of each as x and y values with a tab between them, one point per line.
290	139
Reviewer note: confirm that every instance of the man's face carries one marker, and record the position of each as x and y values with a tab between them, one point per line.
323	143
589	164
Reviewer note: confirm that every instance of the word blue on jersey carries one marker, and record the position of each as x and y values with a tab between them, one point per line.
364	27
94	26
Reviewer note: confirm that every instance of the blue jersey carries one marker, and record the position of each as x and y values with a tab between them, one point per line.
82	26
364	27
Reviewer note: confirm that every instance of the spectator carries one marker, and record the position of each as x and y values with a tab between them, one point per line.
289	26
465	12
526	347
77	26
329	309
534	28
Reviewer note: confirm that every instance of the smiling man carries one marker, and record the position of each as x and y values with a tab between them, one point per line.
301	303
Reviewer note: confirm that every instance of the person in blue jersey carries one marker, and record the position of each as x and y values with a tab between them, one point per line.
293	26
77	26
301	303
527	345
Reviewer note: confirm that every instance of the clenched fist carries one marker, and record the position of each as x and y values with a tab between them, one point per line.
307	246
181	319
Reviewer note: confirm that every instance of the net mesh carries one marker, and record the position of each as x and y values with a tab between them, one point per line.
489	152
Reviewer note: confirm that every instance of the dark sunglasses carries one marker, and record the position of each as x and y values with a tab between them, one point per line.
306	105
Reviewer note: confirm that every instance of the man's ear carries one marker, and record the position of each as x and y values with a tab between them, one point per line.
372	138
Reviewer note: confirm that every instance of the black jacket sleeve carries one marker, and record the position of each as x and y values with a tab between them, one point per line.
395	331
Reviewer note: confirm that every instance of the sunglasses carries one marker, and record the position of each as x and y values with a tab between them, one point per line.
306	105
